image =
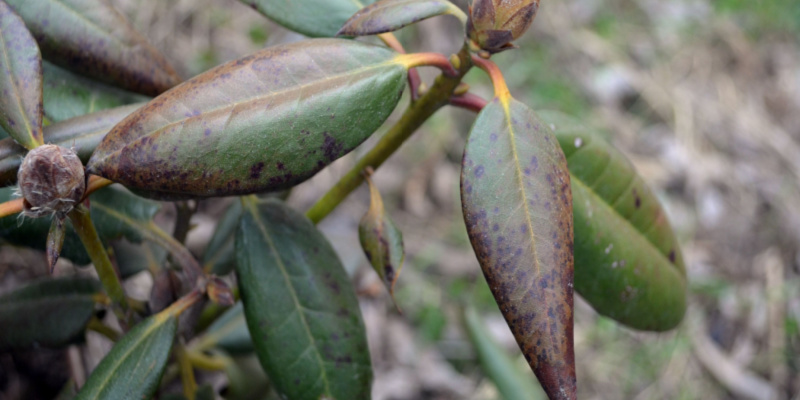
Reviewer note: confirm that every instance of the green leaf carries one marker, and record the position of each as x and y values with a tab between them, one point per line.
391	15
300	306
91	38
67	95
315	18
49	312
20	80
628	264
134	258
265	122
115	212
219	257
82	133
516	200
497	365
229	332
133	368
381	241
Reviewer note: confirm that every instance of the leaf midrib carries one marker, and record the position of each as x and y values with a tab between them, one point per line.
231	106
264	232
13	80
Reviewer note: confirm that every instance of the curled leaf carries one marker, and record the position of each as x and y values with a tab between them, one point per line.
312	18
628	264
517	204
300	306
381	240
390	15
265	122
91	38
20	80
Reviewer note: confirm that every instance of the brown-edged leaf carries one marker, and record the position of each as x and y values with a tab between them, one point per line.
381	240
92	38
20	80
517	205
390	15
265	122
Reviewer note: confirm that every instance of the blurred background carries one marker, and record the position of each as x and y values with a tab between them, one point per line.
703	96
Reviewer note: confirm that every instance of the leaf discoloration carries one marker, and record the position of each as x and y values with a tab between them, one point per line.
391	15
275	105
520	225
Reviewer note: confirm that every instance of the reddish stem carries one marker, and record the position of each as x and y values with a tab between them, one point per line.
469	101
500	88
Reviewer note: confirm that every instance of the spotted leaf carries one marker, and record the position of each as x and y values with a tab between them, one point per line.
265	122
517	205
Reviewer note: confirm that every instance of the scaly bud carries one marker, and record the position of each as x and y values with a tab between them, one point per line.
494	24
51	180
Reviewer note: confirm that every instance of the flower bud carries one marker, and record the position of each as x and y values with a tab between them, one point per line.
493	24
51	180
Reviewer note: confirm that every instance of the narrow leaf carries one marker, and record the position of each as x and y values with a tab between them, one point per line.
312	18
517	205
67	95
628	264
55	241
381	240
390	15
82	133
265	122
133	368
301	309
497	365
92	38
50	312
20	80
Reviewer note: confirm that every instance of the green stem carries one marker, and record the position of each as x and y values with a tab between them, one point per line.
435	98
84	227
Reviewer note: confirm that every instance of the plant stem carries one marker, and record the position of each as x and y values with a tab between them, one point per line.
103	329
435	98
188	381
84	227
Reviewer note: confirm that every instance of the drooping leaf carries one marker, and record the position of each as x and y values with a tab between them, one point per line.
300	306
20	80
312	18
115	212
229	332
81	133
390	15
133	368
67	95
516	199
497	365
49	312
628	264
381	241
219	257
92	38
261	123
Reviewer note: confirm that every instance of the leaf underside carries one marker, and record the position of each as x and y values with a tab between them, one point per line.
628	264
391	15
517	205
265	122
300	306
